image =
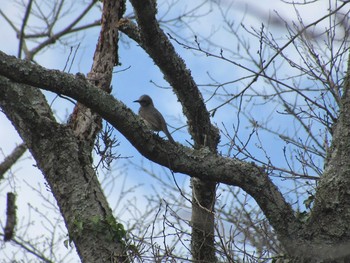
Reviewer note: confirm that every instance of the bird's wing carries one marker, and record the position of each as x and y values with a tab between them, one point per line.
153	118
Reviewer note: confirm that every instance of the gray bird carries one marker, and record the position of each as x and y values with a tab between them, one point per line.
153	118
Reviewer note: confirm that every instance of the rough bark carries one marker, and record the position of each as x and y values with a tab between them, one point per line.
63	153
204	134
328	227
201	163
85	123
67	168
11	217
12	159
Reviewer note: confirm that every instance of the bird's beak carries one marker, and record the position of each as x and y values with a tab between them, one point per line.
136	101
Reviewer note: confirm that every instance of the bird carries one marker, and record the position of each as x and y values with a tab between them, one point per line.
152	117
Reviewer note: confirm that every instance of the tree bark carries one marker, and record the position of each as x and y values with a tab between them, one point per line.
85	123
328	229
204	134
63	152
66	166
200	163
12	159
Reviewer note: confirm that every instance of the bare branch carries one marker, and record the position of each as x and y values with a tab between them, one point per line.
12	159
201	164
11	217
24	23
176	73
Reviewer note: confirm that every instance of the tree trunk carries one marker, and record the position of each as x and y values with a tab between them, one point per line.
66	166
63	153
155	42
327	233
203	221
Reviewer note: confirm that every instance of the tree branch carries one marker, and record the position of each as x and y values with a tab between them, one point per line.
67	30
11	218
196	163
24	23
157	45
66	165
12	159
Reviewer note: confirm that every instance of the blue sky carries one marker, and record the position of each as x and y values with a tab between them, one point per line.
137	79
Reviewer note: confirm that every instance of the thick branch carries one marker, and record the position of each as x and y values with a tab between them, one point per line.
87	124
158	46
196	163
332	196
67	168
12	159
11	217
